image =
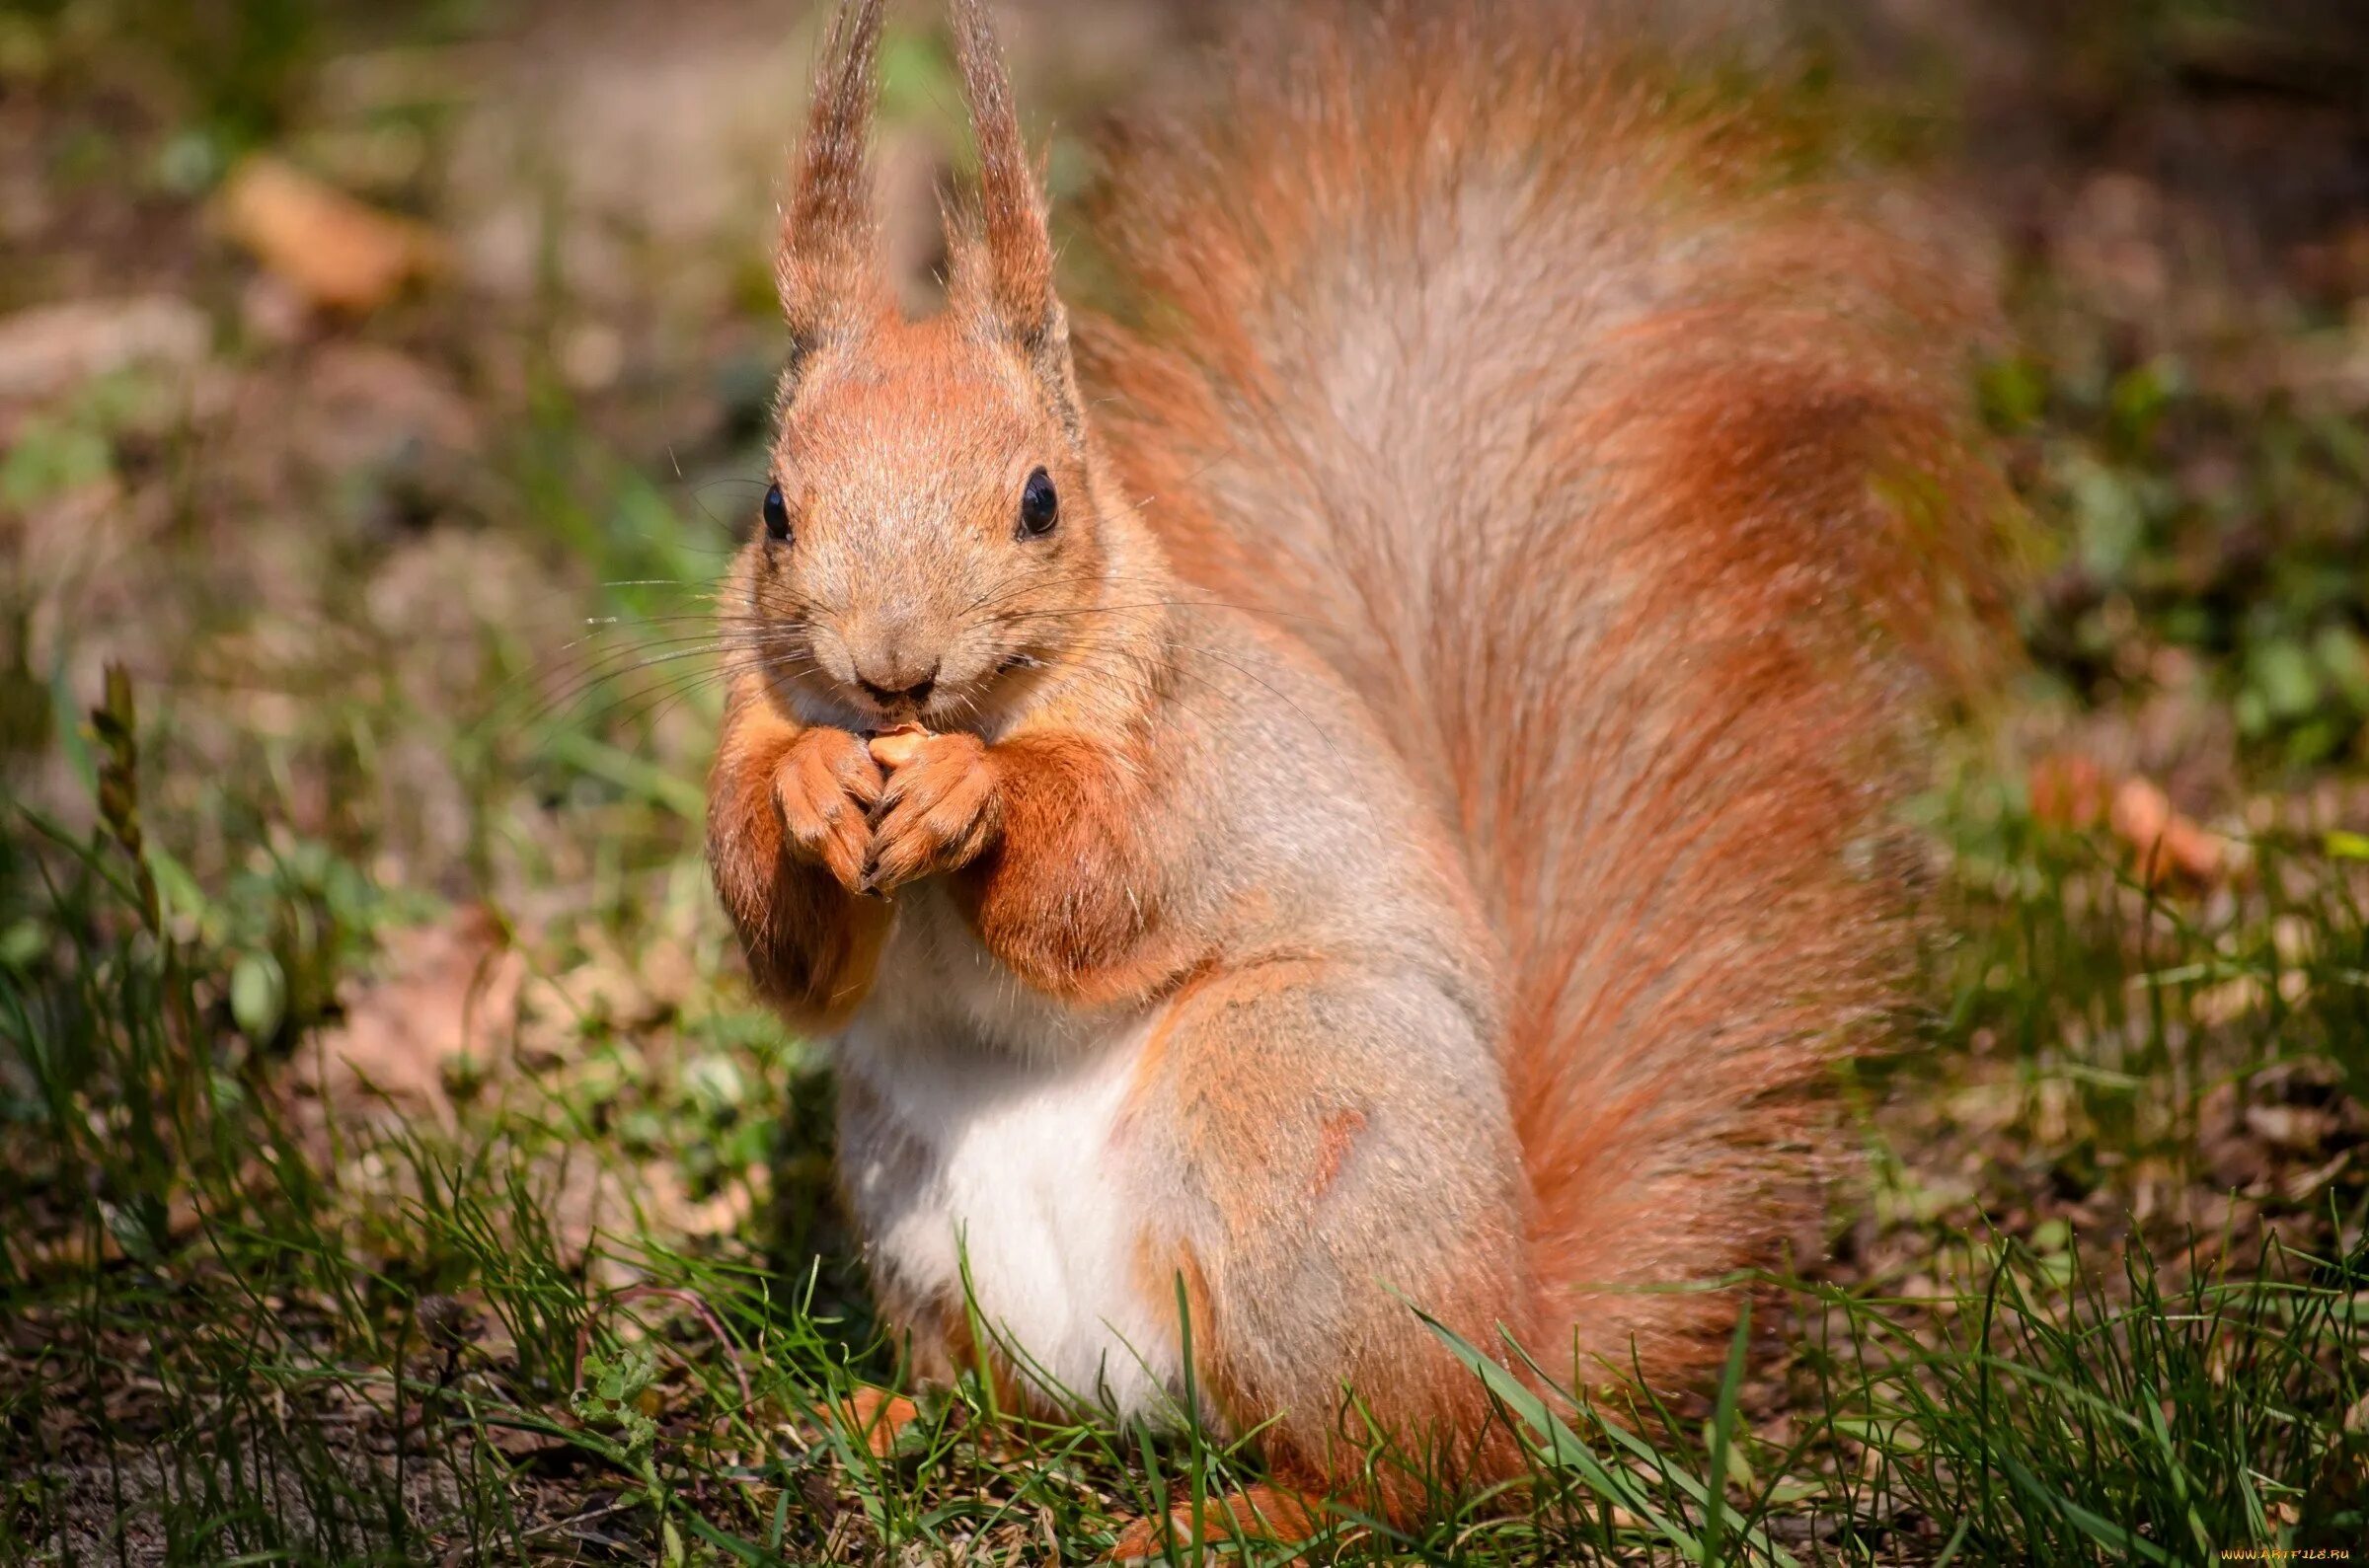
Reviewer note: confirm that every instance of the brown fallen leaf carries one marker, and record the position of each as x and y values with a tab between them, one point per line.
666	1198
877	1416
449	990
893	748
52	349
2167	843
2075	793
339	252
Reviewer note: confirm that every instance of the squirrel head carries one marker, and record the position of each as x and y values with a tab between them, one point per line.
931	540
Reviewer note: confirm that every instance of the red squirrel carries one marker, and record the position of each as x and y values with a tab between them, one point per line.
1364	786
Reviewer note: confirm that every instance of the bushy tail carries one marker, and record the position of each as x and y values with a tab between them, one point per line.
1622	468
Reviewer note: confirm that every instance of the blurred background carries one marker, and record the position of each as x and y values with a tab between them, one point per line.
383	386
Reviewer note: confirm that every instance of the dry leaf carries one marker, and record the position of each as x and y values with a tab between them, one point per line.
2167	841
2074	792
668	1206
49	350
449	990
877	1416
339	252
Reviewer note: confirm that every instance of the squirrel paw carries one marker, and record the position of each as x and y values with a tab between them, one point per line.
826	784
1257	1514
939	810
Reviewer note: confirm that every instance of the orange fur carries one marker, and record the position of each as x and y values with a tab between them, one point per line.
1341	1131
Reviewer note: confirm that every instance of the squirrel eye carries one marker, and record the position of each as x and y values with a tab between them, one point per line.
777	515
1040	507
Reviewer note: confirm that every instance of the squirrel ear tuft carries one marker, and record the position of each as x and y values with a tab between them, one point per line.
1004	272
1007	272
826	268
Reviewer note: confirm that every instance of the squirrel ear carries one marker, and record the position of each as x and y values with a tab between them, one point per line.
826	269
1007	272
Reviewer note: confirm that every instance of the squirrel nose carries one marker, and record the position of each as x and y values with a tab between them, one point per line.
899	679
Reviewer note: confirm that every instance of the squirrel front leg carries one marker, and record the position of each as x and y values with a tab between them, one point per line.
787	837
1046	835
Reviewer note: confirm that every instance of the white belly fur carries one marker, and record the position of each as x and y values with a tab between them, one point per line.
1015	1109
